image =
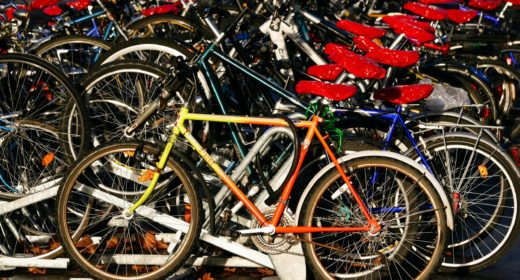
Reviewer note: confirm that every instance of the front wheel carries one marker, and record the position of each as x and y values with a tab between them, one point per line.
405	204
101	235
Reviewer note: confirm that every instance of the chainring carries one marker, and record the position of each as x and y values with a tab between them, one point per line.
277	243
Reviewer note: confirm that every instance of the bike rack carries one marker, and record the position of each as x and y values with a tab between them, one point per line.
246	257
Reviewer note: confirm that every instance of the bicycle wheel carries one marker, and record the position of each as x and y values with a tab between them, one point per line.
504	80
74	55
117	93
167	27
39	139
484	181
39	135
403	201
148	244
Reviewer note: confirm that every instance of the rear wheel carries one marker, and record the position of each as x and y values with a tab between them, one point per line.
483	185
405	204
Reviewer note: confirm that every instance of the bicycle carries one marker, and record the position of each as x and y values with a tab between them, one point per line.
92	224
409	210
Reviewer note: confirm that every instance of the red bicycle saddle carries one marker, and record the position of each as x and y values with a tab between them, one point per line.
163	9
356	64
360	29
78	5
327	72
365	44
404	94
460	16
40	4
53	10
396	58
411	31
486	5
397	20
440	2
426	11
336	92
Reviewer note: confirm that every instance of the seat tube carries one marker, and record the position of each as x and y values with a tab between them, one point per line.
282	203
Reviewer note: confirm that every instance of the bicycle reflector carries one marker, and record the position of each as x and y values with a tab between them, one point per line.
482	169
47	159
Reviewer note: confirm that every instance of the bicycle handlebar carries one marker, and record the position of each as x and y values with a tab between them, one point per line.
232	26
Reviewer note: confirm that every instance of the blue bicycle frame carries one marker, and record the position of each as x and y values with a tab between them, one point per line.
396	120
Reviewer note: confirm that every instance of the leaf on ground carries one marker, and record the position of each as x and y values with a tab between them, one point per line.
37	271
207	276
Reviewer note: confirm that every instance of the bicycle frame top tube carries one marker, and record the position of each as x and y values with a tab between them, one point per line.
312	130
396	119
212	50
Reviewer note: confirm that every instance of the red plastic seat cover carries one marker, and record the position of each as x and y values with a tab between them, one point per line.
78	5
10	11
52	11
395	58
426	11
461	16
484	4
404	94
40	4
413	33
365	44
400	19
163	9
336	92
328	72
437	2
355	64
360	29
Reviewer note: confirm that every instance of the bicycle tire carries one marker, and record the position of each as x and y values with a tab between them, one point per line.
55	95
418	185
497	226
70	55
504	79
78	223
50	123
117	92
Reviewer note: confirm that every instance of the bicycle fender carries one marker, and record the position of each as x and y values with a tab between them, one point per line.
392	155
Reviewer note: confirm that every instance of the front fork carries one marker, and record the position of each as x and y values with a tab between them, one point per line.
158	168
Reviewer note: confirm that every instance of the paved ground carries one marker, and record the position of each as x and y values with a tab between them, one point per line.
507	268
